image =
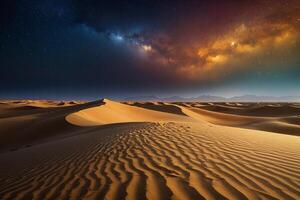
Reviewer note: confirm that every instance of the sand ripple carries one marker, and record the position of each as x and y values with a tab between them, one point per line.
156	161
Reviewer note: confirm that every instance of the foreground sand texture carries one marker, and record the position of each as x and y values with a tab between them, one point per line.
165	151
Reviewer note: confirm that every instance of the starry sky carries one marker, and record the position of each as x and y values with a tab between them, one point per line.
90	49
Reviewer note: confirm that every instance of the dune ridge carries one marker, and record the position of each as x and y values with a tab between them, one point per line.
257	116
113	152
285	123
114	112
23	125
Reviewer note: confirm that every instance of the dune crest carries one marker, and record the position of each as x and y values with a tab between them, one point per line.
114	112
64	152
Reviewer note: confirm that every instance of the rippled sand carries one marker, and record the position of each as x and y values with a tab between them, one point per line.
176	156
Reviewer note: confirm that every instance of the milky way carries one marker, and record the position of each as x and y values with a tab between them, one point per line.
88	49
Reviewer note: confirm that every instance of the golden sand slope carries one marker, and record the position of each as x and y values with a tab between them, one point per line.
114	112
285	121
188	158
25	123
158	106
156	161
279	118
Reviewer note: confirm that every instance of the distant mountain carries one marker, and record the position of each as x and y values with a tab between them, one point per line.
175	98
255	98
210	98
142	98
194	99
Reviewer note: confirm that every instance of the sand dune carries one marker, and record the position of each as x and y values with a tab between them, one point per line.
289	124
255	109
23	125
158	106
114	112
152	154
230	114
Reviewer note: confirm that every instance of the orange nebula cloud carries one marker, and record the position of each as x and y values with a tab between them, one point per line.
239	45
256	42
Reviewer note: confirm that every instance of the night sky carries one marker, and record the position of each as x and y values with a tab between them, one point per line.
90	49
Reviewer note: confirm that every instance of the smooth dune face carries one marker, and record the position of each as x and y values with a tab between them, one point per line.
279	118
25	125
114	112
168	156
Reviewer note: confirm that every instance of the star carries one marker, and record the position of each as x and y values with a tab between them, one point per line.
116	37
146	47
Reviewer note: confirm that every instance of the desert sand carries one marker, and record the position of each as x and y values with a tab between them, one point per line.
152	150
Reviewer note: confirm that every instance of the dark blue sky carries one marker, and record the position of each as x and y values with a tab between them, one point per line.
90	49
